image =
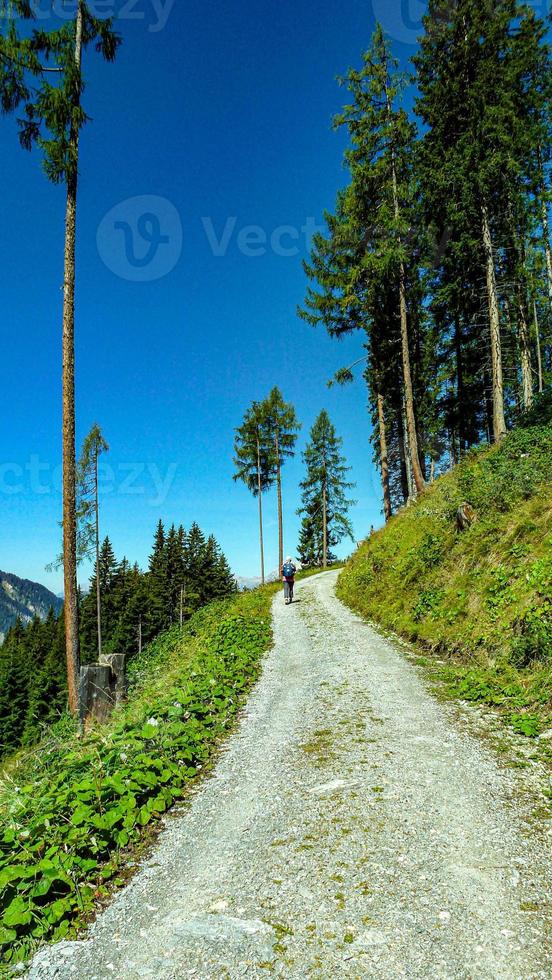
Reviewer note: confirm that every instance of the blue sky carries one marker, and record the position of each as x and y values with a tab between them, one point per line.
210	149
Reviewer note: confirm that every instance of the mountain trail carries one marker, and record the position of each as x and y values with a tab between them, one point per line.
352	828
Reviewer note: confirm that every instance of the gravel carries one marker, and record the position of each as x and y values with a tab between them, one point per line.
352	828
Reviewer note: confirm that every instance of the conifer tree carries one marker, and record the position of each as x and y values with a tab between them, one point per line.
254	460
284	429
47	692
325	504
157	581
41	71
15	671
480	74
88	509
194	557
369	247
175	572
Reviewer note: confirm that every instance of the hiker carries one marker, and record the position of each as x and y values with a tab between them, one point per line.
288	575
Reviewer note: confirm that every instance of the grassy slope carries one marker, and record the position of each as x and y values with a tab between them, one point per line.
480	599
73	812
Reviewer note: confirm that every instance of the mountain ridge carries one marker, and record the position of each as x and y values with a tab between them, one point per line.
23	599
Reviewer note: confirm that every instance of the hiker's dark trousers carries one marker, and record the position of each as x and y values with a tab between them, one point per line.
288	588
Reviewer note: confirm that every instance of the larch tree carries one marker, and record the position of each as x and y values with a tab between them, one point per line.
325	505
254	460
88	509
284	428
41	71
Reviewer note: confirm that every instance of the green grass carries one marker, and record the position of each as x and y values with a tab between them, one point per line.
74	812
479	600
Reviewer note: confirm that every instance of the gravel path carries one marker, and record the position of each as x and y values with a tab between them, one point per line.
351	829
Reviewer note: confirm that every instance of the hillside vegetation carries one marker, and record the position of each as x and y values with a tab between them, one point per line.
480	599
73	811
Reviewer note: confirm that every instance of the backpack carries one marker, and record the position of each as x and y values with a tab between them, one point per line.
288	570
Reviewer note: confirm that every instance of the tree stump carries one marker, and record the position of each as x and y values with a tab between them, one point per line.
97	693
103	687
465	517
117	664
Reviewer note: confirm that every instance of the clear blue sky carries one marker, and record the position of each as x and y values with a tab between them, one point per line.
224	113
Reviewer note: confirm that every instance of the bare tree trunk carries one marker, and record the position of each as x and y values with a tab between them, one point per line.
547	252
402	458
407	374
488	405
260	495
499	422
68	385
181	605
462	440
324	525
140	635
537	338
384	459
98	588
405	347
280	506
412	493
524	352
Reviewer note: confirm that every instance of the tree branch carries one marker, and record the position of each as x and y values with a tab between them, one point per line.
41	68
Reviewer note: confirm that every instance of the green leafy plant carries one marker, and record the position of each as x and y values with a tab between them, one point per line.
71	810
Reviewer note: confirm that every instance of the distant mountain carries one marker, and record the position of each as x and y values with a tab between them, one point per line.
244	583
23	599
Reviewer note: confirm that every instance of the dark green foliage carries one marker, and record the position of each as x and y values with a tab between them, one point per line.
186	572
324	485
540	413
416	197
70	812
283	426
254	450
32	681
39	77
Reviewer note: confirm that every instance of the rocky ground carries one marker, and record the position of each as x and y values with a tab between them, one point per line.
353	827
